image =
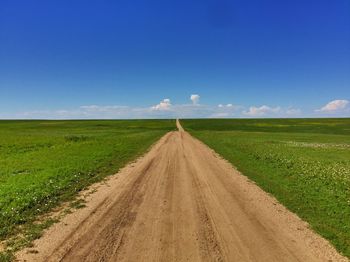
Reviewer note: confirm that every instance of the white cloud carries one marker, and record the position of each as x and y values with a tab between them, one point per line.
195	99
96	108
261	111
225	111
220	115
293	111
334	106
223	106
163	105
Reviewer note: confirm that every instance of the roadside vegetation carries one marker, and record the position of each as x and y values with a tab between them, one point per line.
304	163
43	163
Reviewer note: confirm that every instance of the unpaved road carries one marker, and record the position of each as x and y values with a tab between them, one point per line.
180	202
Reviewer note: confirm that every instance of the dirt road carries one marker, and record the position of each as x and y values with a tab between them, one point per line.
180	202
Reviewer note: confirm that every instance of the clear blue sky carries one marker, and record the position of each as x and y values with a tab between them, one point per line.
58	58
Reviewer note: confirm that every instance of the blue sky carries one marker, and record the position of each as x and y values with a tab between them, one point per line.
134	59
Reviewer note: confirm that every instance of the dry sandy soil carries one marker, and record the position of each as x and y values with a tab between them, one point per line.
180	202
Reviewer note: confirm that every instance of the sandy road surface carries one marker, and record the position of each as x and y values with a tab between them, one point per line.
180	202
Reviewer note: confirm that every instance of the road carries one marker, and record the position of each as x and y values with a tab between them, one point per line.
181	202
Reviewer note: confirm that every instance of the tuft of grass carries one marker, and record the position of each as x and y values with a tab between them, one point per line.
75	138
77	204
29	233
304	163
6	256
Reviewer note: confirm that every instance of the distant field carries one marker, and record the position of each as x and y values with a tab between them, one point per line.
305	163
44	162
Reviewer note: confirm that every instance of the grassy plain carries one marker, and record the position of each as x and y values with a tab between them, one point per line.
304	163
45	162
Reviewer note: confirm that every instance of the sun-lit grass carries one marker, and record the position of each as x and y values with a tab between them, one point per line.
45	162
305	163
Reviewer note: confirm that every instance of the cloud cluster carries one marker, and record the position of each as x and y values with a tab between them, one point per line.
293	111
261	111
165	104
192	109
223	106
334	106
195	99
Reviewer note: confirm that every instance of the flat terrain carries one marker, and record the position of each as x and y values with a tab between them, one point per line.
180	202
45	162
304	163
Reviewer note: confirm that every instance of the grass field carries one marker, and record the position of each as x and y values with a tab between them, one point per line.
304	163
45	162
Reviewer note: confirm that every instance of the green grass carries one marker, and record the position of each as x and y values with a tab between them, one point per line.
45	162
304	163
